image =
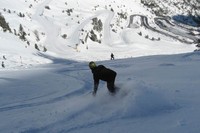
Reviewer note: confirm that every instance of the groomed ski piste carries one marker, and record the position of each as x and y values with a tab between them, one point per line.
50	92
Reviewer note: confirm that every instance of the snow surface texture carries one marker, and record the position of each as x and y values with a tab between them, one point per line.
158	94
50	91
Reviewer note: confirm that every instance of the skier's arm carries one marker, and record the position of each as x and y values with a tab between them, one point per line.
96	84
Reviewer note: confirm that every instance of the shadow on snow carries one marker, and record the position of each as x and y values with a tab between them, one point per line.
188	20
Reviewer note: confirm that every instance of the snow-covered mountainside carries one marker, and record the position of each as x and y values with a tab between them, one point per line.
73	29
173	7
185	11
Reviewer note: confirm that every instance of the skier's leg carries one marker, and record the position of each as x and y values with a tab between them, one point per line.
111	87
111	83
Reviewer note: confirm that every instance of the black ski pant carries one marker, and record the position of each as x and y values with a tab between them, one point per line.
111	84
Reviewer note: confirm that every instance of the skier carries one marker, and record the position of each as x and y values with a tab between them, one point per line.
3	65
4	57
112	56
102	73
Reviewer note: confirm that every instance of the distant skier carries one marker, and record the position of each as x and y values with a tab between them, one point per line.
3	65
112	56
4	57
102	73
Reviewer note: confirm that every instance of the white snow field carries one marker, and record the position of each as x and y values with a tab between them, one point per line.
50	92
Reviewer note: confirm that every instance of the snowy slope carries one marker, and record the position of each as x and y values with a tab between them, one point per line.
158	94
50	92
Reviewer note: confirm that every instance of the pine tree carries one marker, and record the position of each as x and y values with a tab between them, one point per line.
4	24
22	34
36	47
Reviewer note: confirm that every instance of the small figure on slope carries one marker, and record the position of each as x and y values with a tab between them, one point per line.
112	56
3	65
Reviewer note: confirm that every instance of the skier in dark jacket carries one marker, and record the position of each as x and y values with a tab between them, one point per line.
112	56
102	73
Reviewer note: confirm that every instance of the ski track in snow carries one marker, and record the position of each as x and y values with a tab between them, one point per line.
78	92
57	99
75	35
53	31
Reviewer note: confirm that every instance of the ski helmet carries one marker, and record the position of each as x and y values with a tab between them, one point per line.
92	65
